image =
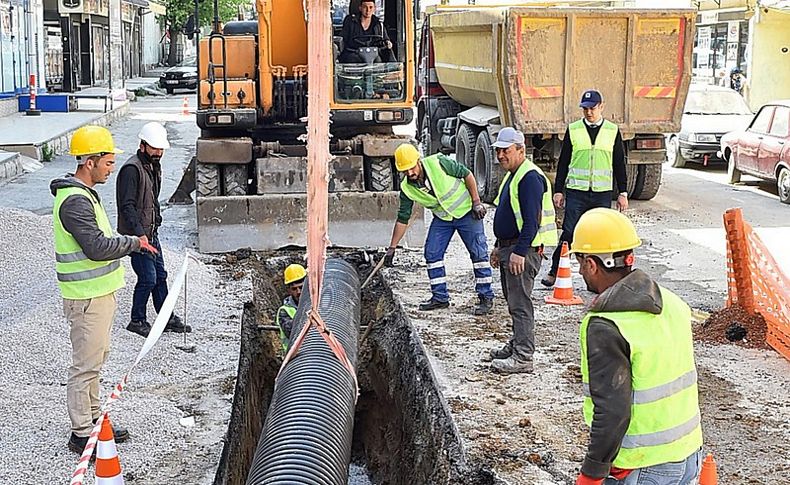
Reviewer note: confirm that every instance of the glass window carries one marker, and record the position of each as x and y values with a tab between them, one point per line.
716	103
780	124
763	120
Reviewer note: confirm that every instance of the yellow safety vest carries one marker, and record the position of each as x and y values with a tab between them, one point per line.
547	231
665	417
451	199
291	312
80	278
591	165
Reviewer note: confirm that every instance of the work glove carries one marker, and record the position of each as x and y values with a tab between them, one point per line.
619	473
146	247
585	480
388	257
479	211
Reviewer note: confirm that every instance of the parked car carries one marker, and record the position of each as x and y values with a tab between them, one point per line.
763	149
709	112
182	76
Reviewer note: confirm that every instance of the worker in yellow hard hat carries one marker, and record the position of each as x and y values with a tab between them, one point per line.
449	190
293	278
637	360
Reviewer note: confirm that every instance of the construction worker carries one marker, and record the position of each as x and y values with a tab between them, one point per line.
137	195
89	273
524	223
293	277
449	190
637	361
592	156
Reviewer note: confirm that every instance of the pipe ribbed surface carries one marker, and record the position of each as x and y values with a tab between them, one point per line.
309	426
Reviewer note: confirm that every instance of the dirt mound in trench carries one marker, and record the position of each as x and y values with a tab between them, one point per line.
728	325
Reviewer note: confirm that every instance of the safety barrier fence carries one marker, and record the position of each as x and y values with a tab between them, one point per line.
755	281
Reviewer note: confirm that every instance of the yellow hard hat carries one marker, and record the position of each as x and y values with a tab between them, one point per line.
406	157
604	231
294	273
91	140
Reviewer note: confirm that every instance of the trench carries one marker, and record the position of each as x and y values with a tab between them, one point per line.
403	429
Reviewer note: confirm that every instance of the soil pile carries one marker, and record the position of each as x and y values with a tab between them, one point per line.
728	326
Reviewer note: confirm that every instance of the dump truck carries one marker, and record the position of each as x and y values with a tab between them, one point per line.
251	159
482	68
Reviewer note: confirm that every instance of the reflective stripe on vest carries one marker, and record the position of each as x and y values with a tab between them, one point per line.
547	231
665	418
591	165
79	277
291	312
452	199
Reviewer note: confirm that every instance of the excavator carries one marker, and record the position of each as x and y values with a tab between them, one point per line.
250	165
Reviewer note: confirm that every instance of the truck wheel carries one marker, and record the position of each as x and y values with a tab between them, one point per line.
483	166
648	181
379	174
631	172
673	153
429	145
207	175
465	145
733	174
235	179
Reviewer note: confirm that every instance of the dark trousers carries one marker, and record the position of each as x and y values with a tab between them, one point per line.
517	290
151	281
576	204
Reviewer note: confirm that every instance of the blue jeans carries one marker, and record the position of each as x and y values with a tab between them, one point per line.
677	473
577	203
474	237
151	281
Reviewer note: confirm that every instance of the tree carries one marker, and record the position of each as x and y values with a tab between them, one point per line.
179	11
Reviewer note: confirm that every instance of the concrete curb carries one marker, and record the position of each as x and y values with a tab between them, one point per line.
10	166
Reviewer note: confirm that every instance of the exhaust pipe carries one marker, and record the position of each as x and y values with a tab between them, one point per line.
309	426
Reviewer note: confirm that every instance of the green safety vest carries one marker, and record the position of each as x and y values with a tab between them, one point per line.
665	417
591	165
290	311
547	232
451	199
80	278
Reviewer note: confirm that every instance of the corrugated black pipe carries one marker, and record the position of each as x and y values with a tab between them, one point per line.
309	426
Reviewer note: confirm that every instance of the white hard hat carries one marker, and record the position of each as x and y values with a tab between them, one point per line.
155	135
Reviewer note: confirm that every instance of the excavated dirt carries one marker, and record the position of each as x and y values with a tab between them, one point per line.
728	326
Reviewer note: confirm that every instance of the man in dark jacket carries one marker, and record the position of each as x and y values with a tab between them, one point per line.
137	194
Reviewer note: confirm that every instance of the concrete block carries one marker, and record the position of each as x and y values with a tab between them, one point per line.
288	175
224	150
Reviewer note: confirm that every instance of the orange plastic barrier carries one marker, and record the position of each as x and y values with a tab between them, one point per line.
755	281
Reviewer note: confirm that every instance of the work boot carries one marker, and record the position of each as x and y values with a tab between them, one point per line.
512	365
176	325
484	306
549	280
119	434
433	304
498	353
142	328
77	444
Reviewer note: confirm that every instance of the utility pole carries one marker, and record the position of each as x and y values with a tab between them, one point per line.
116	46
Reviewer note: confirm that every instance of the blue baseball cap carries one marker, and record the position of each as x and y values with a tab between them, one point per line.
508	136
590	99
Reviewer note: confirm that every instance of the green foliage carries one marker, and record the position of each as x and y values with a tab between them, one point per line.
47	153
179	10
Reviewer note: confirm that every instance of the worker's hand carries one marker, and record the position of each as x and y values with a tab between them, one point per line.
388	257
146	247
389	45
585	480
516	265
495	258
559	200
622	203
479	211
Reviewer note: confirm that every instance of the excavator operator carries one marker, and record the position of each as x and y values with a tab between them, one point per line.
364	29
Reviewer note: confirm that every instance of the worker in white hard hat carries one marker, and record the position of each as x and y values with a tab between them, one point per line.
137	196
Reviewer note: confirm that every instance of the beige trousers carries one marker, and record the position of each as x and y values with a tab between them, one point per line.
90	322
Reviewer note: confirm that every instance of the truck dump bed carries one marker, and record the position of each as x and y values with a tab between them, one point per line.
533	64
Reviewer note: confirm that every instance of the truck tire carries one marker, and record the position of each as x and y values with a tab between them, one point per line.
379	174
235	179
207	176
465	145
485	170
648	181
631	172
429	141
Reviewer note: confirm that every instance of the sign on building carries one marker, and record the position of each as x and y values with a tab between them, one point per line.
733	31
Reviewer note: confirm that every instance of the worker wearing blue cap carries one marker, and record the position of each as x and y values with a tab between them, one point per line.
591	160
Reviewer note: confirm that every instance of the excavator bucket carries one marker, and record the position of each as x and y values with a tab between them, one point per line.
274	221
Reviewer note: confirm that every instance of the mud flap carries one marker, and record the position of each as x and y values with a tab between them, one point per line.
187	185
273	221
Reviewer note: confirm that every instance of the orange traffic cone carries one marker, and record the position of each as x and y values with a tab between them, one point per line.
185	107
563	287
108	466
708	475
